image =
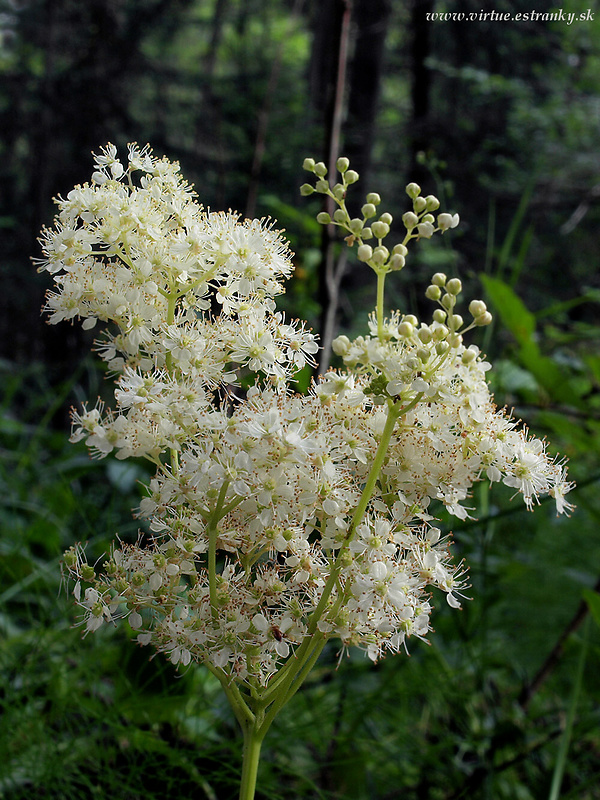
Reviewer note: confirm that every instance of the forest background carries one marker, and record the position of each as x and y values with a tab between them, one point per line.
501	120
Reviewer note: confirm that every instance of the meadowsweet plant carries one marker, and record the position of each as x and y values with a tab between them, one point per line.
276	522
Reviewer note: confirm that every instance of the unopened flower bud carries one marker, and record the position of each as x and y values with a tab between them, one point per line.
432	203
439	315
340	345
322	187
380	230
455	340
397	262
439	279
342	164
323	218
419	204
448	301
373	198
351	176
426	230
368	210
440	333
356	225
406	329
433	292
308	164
306	189
320	169
442	347
367	233
364	252
423	354
425	334
386	218
477	308
380	255
401	250
454	286
413	190
410	220
339	191
428	218
339	215
484	319
455	322
468	356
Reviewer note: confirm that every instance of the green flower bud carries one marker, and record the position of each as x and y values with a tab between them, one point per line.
440	333
386	218
356	225
373	198
448	301
351	176
368	210
397	262
323	218
380	230
442	347
432	203
339	191
429	219
306	189
367	233
468	356
410	220
339	215
439	279
455	322
433	292
425	335
401	250
413	190
484	319
380	255
439	315
308	164
419	204
342	164
322	187
477	308
423	354
454	286
320	169
455	340
364	252
406	329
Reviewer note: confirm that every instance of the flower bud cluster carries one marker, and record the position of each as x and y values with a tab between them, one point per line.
273	517
420	223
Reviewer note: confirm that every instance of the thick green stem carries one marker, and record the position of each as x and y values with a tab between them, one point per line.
251	757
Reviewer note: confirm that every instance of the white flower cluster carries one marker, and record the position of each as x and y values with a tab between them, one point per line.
274	517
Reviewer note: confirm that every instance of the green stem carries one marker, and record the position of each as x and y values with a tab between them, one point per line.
380	308
251	757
